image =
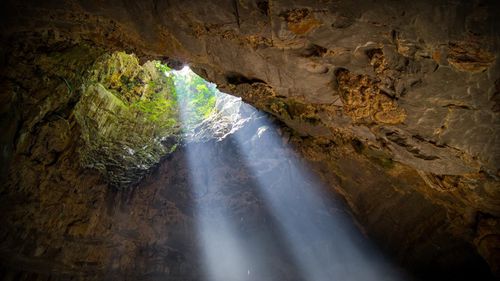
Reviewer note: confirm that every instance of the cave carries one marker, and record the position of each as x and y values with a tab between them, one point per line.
238	140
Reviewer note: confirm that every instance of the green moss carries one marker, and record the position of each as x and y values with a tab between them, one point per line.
157	109
127	111
105	95
279	107
162	67
124	113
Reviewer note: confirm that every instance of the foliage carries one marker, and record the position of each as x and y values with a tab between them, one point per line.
162	67
159	104
196	96
166	95
179	91
130	114
158	109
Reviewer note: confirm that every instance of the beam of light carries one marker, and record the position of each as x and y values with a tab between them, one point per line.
322	240
325	244
223	256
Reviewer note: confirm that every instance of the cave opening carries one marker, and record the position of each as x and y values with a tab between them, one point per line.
188	181
287	227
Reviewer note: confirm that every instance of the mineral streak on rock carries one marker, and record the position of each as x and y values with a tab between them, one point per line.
468	56
365	102
300	21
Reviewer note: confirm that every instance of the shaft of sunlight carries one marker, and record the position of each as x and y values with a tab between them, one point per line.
223	257
324	242
320	239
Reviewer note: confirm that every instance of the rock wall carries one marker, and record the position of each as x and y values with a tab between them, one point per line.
128	115
407	89
64	222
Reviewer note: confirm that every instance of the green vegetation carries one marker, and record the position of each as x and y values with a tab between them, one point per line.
161	67
175	93
158	109
195	96
179	90
131	115
159	104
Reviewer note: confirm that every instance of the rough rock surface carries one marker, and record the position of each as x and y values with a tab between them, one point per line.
408	90
128	117
149	232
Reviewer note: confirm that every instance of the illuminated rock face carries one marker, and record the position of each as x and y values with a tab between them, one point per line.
396	103
128	118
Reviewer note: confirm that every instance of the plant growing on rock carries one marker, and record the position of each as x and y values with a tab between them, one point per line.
125	112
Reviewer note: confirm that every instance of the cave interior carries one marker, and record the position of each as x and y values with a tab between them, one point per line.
238	140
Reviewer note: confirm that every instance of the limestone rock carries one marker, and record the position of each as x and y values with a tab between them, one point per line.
126	114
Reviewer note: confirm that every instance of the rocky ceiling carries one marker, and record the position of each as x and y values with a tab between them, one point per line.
400	99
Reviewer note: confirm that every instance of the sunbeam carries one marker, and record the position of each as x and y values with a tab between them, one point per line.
317	236
325	243
223	256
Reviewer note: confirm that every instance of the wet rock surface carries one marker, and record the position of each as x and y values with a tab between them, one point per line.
398	102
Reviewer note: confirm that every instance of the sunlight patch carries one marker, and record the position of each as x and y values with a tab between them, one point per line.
205	112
